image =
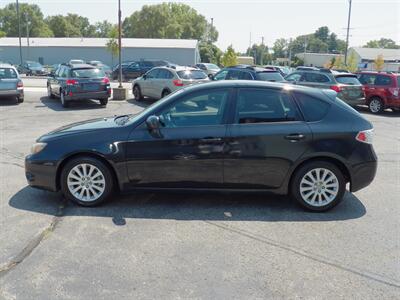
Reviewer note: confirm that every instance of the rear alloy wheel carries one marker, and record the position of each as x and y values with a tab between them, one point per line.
376	105
137	93
103	102
86	181
318	186
165	93
20	99
64	102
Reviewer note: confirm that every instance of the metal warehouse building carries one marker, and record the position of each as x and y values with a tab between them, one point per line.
50	51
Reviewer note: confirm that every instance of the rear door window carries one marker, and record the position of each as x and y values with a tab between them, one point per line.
383	80
293	77
245	76
263	106
316	77
153	74
351	80
367	79
233	75
313	108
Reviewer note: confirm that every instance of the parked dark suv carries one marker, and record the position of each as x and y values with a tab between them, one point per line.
232	134
138	68
245	72
82	81
349	89
382	90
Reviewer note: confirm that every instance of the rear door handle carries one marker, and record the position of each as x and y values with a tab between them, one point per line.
294	137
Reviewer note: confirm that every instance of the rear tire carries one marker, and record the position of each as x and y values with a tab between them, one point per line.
20	99
64	102
137	93
165	93
103	102
86	181
376	105
318	186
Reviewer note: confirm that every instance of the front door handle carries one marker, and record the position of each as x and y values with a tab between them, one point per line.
294	137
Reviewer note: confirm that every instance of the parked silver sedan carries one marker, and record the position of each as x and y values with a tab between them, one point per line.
161	81
10	83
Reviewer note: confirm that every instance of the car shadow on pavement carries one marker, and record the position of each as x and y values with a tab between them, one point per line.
187	206
55	104
143	103
9	101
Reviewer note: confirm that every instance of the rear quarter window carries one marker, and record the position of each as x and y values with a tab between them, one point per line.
7	73
270	76
352	80
313	108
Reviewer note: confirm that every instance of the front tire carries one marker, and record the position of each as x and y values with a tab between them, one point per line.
86	181
318	186
103	102
376	105
20	99
64	102
137	93
49	92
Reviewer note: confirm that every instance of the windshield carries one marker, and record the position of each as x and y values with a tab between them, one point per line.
352	80
212	66
192	74
7	73
87	73
34	64
270	76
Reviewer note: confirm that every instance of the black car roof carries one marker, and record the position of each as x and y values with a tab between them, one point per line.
82	66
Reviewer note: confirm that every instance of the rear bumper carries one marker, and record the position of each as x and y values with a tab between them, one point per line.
89	95
363	175
40	174
10	93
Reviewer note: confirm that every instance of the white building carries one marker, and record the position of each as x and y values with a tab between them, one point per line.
317	59
57	50
366	56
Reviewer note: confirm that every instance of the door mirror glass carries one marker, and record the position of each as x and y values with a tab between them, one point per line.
211	76
153	123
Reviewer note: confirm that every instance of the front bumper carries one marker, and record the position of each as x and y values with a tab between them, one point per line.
355	102
41	174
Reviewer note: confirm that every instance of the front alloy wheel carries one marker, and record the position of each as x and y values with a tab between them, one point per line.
86	181
318	186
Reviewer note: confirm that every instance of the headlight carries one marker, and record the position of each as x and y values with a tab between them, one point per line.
37	147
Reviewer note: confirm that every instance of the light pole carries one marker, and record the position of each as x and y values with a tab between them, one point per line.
347	35
19	34
119	44
27	35
262	51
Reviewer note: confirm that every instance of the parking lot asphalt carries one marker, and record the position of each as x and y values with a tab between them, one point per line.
197	246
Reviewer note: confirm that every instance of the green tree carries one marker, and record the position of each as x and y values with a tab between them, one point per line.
168	20
322	34
352	65
103	29
82	24
2	34
112	43
61	27
229	58
258	52
9	21
382	43
210	53
280	48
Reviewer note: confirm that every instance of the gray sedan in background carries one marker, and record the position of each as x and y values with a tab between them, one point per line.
161	81
10	83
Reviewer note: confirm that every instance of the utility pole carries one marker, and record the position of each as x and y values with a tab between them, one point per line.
119	44
210	31
347	35
305	48
290	51
19	34
262	51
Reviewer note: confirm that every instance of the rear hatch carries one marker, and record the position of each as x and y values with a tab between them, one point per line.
192	76
88	80
349	88
8	79
273	76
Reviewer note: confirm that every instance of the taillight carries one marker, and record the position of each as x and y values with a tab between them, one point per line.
71	82
20	84
106	80
336	88
365	136
177	82
394	91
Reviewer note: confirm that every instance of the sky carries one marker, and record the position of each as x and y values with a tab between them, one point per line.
236	20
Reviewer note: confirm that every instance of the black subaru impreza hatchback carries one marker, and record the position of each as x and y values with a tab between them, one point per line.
238	135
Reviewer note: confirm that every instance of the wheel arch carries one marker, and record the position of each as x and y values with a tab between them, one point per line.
337	162
86	154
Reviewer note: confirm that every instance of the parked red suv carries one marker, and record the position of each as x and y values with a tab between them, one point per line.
382	90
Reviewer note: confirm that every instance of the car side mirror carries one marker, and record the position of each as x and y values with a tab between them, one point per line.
153	124
211	76
144	76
